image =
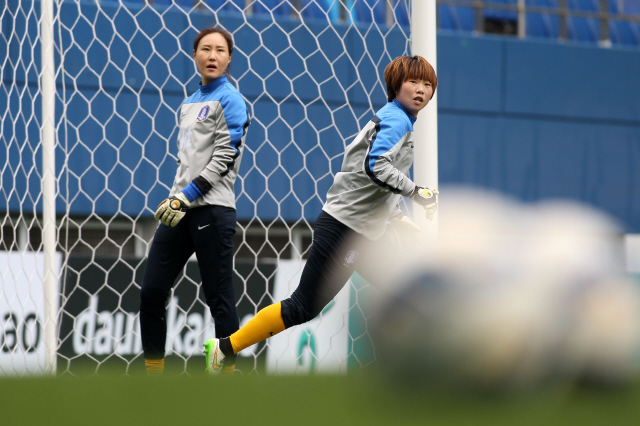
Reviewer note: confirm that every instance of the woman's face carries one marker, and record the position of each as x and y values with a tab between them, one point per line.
212	57
414	95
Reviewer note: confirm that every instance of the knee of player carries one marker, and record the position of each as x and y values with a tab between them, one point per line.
222	310
297	310
150	295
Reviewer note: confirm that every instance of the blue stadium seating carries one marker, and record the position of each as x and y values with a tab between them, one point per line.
116	1
450	18
236	6
402	13
185	4
542	25
371	11
501	15
456	18
624	33
632	7
583	29
277	7
319	9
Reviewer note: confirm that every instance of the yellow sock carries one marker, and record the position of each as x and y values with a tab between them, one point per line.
268	322
154	366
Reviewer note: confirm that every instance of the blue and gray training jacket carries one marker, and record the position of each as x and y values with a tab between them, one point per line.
366	192
213	128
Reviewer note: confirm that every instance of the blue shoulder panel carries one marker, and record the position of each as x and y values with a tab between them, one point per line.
392	124
236	114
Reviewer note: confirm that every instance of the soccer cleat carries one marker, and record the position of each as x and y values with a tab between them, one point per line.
214	356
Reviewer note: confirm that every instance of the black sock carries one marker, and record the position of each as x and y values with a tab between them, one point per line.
226	347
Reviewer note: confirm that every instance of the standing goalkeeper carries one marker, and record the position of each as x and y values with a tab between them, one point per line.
363	197
199	215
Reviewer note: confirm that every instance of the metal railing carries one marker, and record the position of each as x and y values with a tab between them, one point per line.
562	11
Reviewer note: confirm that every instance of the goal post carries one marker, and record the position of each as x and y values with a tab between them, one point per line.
424	43
50	279
118	72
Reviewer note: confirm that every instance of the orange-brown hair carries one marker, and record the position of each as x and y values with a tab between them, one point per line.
227	37
405	68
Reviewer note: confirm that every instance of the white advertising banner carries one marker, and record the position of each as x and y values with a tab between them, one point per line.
22	348
102	331
318	346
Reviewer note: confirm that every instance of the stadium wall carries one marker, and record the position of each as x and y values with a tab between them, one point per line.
541	120
532	119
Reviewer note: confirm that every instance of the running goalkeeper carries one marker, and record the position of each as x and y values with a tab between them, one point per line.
363	198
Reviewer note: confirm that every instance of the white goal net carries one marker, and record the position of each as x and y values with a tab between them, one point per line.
311	72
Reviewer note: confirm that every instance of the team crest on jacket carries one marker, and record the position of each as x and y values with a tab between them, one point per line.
203	113
350	258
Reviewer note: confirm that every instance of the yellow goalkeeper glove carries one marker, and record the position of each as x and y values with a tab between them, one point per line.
172	209
427	198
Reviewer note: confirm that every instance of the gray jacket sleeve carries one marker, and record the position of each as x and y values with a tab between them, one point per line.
231	122
384	146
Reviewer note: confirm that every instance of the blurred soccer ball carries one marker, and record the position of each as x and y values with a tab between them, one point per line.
513	297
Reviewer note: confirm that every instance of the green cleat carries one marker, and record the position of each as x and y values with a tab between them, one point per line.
214	356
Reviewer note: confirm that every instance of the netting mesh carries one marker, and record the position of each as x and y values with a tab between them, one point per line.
310	71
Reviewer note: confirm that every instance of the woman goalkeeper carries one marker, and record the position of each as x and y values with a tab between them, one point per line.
199	215
363	197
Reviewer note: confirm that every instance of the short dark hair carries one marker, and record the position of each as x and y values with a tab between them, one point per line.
405	68
224	33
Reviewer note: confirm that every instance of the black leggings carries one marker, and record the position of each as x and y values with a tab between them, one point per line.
208	231
333	259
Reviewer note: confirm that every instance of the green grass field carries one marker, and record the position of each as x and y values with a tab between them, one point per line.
293	400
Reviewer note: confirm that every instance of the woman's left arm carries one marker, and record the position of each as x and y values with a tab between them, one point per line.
232	120
384	146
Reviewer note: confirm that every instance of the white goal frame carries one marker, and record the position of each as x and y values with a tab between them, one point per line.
423	42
